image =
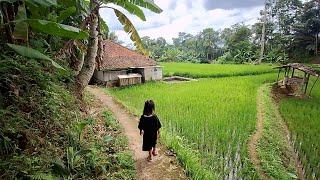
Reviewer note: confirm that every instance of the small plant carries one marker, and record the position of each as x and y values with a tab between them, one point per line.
110	121
81	126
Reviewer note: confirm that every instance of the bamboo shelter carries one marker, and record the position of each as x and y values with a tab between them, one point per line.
293	81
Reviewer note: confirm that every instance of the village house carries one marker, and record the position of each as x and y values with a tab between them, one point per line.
121	66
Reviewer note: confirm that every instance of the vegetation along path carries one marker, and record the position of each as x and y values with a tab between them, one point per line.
163	167
276	160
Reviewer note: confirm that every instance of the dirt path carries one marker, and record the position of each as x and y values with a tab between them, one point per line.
253	141
163	167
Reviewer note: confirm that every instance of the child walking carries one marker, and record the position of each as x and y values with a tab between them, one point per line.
149	126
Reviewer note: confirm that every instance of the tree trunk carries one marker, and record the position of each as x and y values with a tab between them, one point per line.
263	34
79	64
89	63
316	44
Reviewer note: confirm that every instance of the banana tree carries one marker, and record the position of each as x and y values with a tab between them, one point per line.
93	54
26	19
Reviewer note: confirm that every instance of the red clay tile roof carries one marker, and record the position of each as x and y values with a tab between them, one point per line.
115	56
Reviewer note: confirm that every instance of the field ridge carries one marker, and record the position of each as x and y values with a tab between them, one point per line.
297	161
275	149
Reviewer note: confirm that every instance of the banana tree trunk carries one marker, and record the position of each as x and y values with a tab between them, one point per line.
79	63
316	44
89	63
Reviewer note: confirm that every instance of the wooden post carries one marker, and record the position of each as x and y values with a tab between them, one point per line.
292	73
278	74
305	91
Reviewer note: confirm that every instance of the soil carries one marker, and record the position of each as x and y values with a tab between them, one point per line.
163	167
253	142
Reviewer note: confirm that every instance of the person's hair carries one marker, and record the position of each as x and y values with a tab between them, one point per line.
148	107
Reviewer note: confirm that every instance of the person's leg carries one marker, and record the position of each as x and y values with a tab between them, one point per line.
150	155
154	152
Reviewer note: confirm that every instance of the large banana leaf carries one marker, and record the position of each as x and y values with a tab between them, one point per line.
147	4
32	53
66	13
104	28
9	1
56	29
130	7
130	29
43	3
21	27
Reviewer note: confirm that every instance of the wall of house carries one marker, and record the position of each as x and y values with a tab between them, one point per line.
152	73
106	76
148	73
157	73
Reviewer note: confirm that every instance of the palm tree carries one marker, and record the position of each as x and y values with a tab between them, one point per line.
133	7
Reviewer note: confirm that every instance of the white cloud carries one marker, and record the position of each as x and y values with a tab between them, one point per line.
183	16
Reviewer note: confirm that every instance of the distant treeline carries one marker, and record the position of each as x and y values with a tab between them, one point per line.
291	33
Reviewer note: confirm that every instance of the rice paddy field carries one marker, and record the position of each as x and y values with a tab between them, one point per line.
302	117
214	70
208	122
214	117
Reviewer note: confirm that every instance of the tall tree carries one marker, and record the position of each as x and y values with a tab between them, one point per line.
263	33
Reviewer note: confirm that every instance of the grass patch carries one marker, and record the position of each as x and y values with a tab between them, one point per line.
214	70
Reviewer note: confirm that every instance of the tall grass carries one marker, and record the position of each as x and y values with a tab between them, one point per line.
214	70
303	119
215	117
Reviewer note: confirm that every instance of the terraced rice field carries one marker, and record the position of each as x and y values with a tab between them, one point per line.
215	117
214	70
303	119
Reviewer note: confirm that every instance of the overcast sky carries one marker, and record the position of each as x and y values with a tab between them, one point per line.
187	16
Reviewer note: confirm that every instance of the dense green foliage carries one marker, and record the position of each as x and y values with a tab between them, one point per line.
291	34
217	131
42	128
213	70
302	117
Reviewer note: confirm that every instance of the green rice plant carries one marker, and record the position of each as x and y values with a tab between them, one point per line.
214	70
302	117
214	117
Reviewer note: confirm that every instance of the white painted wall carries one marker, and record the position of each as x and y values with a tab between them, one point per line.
106	76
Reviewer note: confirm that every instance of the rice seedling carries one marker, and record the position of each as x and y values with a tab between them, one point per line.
213	117
214	70
302	117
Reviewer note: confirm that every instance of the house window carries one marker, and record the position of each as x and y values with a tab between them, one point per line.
155	69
